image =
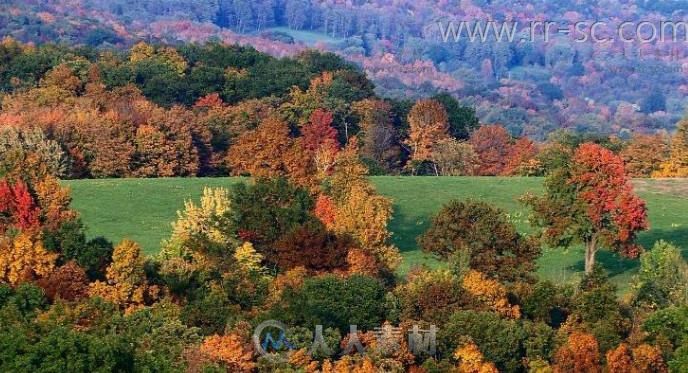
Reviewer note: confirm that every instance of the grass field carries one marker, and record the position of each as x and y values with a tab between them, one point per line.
142	209
307	37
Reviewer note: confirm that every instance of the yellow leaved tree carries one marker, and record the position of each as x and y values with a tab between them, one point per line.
471	360
677	164
359	210
490	293
167	55
126	284
248	258
22	257
230	351
204	220
428	126
202	243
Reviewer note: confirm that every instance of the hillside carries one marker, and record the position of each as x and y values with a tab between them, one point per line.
532	87
142	209
319	186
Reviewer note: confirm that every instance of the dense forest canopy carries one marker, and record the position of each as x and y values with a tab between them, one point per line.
210	109
533	88
307	99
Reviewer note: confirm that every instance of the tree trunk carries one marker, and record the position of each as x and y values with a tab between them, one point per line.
590	251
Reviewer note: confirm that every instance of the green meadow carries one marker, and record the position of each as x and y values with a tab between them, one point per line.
143	209
307	37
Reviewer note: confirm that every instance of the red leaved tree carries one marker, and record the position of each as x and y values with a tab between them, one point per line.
492	144
319	132
17	206
520	154
591	200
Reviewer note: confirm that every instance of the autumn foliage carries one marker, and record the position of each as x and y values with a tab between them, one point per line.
482	235
325	210
677	163
579	354
471	360
520	157
23	257
428	126
490	293
68	282
307	240
591	200
615	211
314	248
645	154
643	358
260	152
17	206
126	284
358	210
229	351
492	144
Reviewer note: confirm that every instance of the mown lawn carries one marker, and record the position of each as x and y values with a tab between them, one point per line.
142	210
307	37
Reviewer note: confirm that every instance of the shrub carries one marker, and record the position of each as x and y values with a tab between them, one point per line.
311	246
485	234
501	340
335	302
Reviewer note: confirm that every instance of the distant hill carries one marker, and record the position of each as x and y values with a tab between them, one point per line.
532	88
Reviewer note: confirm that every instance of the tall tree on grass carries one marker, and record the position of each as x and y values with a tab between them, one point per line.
493	144
645	154
378	135
358	210
520	156
591	200
428	126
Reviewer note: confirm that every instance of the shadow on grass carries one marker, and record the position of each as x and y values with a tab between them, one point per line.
613	263
677	236
406	229
616	265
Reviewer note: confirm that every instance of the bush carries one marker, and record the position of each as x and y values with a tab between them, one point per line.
663	276
596	298
546	303
65	350
670	324
70	241
501	341
311	246
680	361
431	296
265	211
26	298
212	312
335	302
486	235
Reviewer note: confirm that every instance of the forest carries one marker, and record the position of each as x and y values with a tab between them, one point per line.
532	88
213	110
306	239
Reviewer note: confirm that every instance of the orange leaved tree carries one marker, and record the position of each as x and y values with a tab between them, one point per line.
428	126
